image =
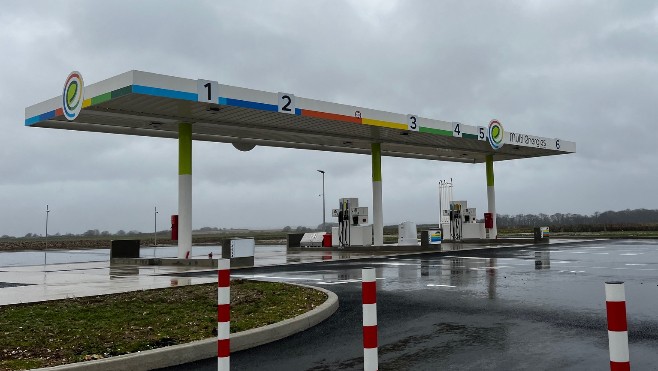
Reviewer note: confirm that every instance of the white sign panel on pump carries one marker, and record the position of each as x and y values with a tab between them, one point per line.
242	248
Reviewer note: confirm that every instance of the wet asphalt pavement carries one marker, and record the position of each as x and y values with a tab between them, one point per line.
508	309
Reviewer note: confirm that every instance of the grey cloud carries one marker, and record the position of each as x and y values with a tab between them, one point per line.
580	71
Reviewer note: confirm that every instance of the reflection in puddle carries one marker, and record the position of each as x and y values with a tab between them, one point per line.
123	271
491	279
542	260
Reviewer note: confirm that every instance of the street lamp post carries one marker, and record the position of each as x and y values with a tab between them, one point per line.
46	249
324	214
155	229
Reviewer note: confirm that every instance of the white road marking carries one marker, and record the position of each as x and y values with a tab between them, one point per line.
276	277
487	268
343	281
336	282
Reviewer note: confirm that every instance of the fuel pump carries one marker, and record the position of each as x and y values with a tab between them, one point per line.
344	222
456	220
459	222
351	230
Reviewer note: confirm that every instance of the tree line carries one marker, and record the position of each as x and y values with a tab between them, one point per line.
629	220
637	219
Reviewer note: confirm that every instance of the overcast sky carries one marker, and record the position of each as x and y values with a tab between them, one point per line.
584	71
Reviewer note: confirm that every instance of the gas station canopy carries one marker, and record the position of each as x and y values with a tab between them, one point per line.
148	104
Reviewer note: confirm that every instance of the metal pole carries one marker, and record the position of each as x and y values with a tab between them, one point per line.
324	213
440	203
155	230
45	250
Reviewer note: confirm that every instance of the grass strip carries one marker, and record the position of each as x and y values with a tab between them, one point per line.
71	330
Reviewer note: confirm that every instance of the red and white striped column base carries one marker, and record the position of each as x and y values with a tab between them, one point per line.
369	299
615	304
223	314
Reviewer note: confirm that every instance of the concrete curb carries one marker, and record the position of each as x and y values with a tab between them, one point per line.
184	353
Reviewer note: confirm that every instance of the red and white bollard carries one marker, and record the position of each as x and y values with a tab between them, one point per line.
223	314
615	305
369	299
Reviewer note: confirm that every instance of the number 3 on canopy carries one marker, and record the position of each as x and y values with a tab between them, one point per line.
412	123
287	103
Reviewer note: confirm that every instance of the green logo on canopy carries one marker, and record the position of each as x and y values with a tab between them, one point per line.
72	95
496	134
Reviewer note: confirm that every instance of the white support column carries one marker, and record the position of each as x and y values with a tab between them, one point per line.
491	195
377	210
184	191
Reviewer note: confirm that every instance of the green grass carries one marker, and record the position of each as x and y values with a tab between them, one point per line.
71	330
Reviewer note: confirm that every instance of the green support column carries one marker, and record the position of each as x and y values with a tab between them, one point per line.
377	211
184	190
491	195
